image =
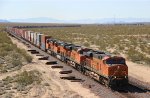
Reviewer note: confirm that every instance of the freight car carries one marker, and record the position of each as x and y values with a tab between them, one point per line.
102	66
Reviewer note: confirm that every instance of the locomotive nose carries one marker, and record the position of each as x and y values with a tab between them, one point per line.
119	75
121	71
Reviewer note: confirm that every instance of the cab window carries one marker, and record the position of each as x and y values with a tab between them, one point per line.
115	61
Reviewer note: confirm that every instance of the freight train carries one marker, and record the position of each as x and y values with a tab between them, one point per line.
107	69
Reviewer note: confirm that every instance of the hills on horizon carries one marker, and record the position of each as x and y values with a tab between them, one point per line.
80	21
2	20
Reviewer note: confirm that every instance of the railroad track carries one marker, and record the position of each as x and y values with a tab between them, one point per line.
132	91
129	91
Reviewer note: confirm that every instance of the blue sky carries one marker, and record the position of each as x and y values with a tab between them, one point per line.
74	9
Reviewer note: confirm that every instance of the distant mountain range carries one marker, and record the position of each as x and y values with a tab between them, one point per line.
83	21
36	20
3	20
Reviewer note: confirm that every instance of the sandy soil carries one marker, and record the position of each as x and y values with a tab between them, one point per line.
139	71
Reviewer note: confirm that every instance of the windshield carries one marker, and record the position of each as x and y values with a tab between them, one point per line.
115	61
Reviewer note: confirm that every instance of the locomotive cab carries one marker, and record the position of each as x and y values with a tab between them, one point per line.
117	71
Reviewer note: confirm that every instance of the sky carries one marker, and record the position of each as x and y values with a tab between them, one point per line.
74	9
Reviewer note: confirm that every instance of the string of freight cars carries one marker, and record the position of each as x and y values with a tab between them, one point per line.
107	69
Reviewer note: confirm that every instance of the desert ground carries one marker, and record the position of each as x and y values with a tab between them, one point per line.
140	72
